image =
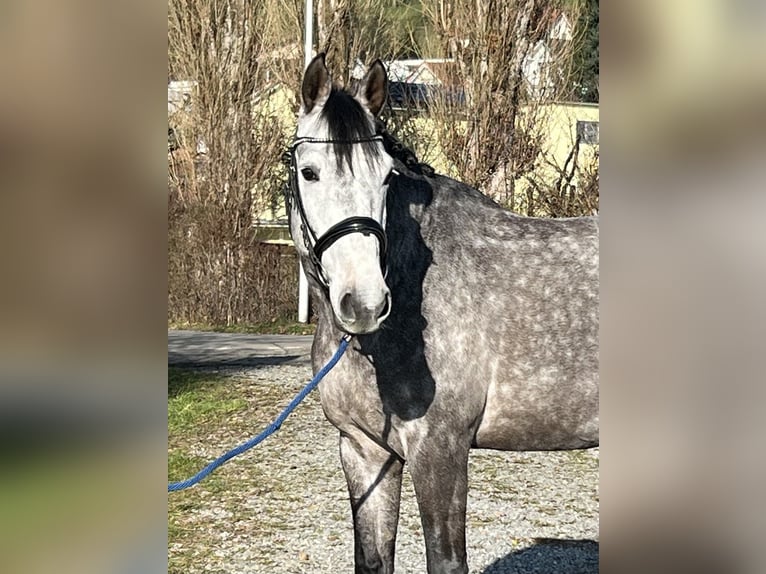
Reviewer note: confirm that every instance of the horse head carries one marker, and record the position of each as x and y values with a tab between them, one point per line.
339	181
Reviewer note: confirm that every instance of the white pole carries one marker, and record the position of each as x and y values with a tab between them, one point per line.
303	295
303	285
308	35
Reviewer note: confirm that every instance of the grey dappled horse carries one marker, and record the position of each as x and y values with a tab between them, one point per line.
473	326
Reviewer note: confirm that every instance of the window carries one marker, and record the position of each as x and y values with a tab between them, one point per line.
587	132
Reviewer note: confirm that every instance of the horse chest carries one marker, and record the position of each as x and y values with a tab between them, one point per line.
395	405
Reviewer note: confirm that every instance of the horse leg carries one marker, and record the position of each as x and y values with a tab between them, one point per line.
440	478
374	477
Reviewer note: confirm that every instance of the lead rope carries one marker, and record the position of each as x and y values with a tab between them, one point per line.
269	430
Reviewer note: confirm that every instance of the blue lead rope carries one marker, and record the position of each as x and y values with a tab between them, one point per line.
269	430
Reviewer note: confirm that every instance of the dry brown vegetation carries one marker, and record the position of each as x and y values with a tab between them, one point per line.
495	136
218	273
236	51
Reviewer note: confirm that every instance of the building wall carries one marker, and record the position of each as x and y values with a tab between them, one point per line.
562	128
559	132
557	129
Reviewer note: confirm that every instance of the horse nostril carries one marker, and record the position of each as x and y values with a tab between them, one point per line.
347	307
362	313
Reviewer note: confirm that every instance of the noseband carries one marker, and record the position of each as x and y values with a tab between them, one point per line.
316	246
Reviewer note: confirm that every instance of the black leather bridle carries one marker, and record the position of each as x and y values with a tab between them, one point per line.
316	246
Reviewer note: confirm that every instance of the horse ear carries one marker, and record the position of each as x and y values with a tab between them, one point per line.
316	83
374	87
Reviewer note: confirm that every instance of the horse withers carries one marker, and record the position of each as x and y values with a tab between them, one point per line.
472	327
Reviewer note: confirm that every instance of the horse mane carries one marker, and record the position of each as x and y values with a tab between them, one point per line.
397	150
347	123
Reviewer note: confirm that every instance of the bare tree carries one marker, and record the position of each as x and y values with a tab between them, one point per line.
223	167
224	145
351	30
573	191
493	131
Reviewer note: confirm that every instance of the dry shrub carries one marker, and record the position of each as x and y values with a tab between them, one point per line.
574	190
494	133
224	169
221	278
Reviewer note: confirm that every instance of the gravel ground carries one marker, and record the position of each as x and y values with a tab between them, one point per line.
284	506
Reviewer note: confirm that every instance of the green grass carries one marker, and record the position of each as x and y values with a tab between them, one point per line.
181	465
205	412
273	327
198	404
198	401
182	380
200	407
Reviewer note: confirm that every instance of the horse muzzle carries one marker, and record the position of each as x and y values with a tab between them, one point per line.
362	312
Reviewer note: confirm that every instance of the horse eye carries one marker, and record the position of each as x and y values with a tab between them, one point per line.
309	175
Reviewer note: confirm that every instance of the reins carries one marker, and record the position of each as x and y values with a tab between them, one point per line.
316	246
269	430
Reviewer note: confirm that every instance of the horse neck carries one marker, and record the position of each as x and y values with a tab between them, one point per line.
403	155
407	200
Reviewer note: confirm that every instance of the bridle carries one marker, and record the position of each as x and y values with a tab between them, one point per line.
316	246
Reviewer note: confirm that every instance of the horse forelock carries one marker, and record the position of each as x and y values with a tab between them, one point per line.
347	121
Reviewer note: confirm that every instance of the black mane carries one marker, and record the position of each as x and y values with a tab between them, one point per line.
348	122
397	150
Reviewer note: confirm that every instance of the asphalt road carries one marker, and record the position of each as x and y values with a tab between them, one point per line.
224	350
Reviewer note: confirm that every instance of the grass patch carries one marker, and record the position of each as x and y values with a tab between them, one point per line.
197	400
273	327
198	403
205	412
248	498
197	408
181	465
182	380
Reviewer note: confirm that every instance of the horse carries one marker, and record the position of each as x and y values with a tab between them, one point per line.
469	326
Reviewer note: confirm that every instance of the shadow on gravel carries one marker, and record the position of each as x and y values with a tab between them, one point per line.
549	555
244	363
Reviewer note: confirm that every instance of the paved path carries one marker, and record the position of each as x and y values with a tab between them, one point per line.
208	349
